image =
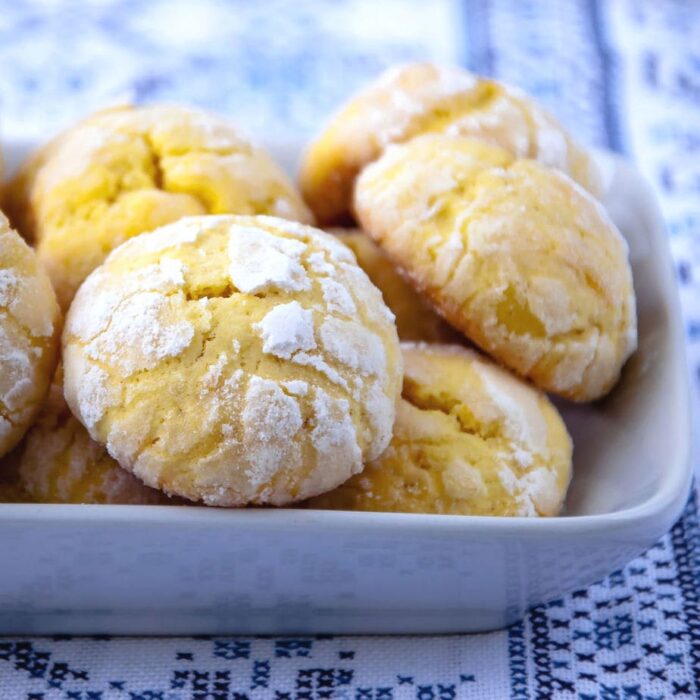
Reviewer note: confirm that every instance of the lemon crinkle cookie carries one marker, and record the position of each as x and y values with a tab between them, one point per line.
415	318
234	360
129	170
29	329
427	98
17	192
469	439
60	463
516	255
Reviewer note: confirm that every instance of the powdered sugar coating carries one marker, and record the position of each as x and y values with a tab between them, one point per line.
296	387
9	282
305	359
379	403
286	329
271	421
353	345
144	330
17	369
94	396
212	377
516	405
317	262
239	377
260	262
163	277
337	297
333	434
164	237
29	327
516	255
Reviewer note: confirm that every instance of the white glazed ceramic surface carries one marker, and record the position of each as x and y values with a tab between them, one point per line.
191	570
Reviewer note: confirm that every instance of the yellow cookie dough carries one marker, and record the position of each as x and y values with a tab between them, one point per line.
16	197
516	255
60	463
129	170
469	439
427	98
234	360
415	320
29	328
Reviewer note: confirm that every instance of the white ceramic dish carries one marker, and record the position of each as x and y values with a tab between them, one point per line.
187	570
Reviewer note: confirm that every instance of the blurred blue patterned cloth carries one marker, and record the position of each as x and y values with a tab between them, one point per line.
621	74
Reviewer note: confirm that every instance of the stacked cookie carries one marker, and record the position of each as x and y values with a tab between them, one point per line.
127	170
219	349
213	349
486	208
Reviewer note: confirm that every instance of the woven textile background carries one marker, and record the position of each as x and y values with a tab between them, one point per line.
622	74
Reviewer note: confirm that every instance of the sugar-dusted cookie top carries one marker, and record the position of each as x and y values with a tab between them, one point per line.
424	98
516	255
29	329
469	439
234	360
125	171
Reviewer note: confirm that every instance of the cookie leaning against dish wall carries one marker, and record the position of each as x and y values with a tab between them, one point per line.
30	323
517	256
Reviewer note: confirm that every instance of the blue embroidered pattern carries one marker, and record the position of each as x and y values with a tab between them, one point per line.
624	73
